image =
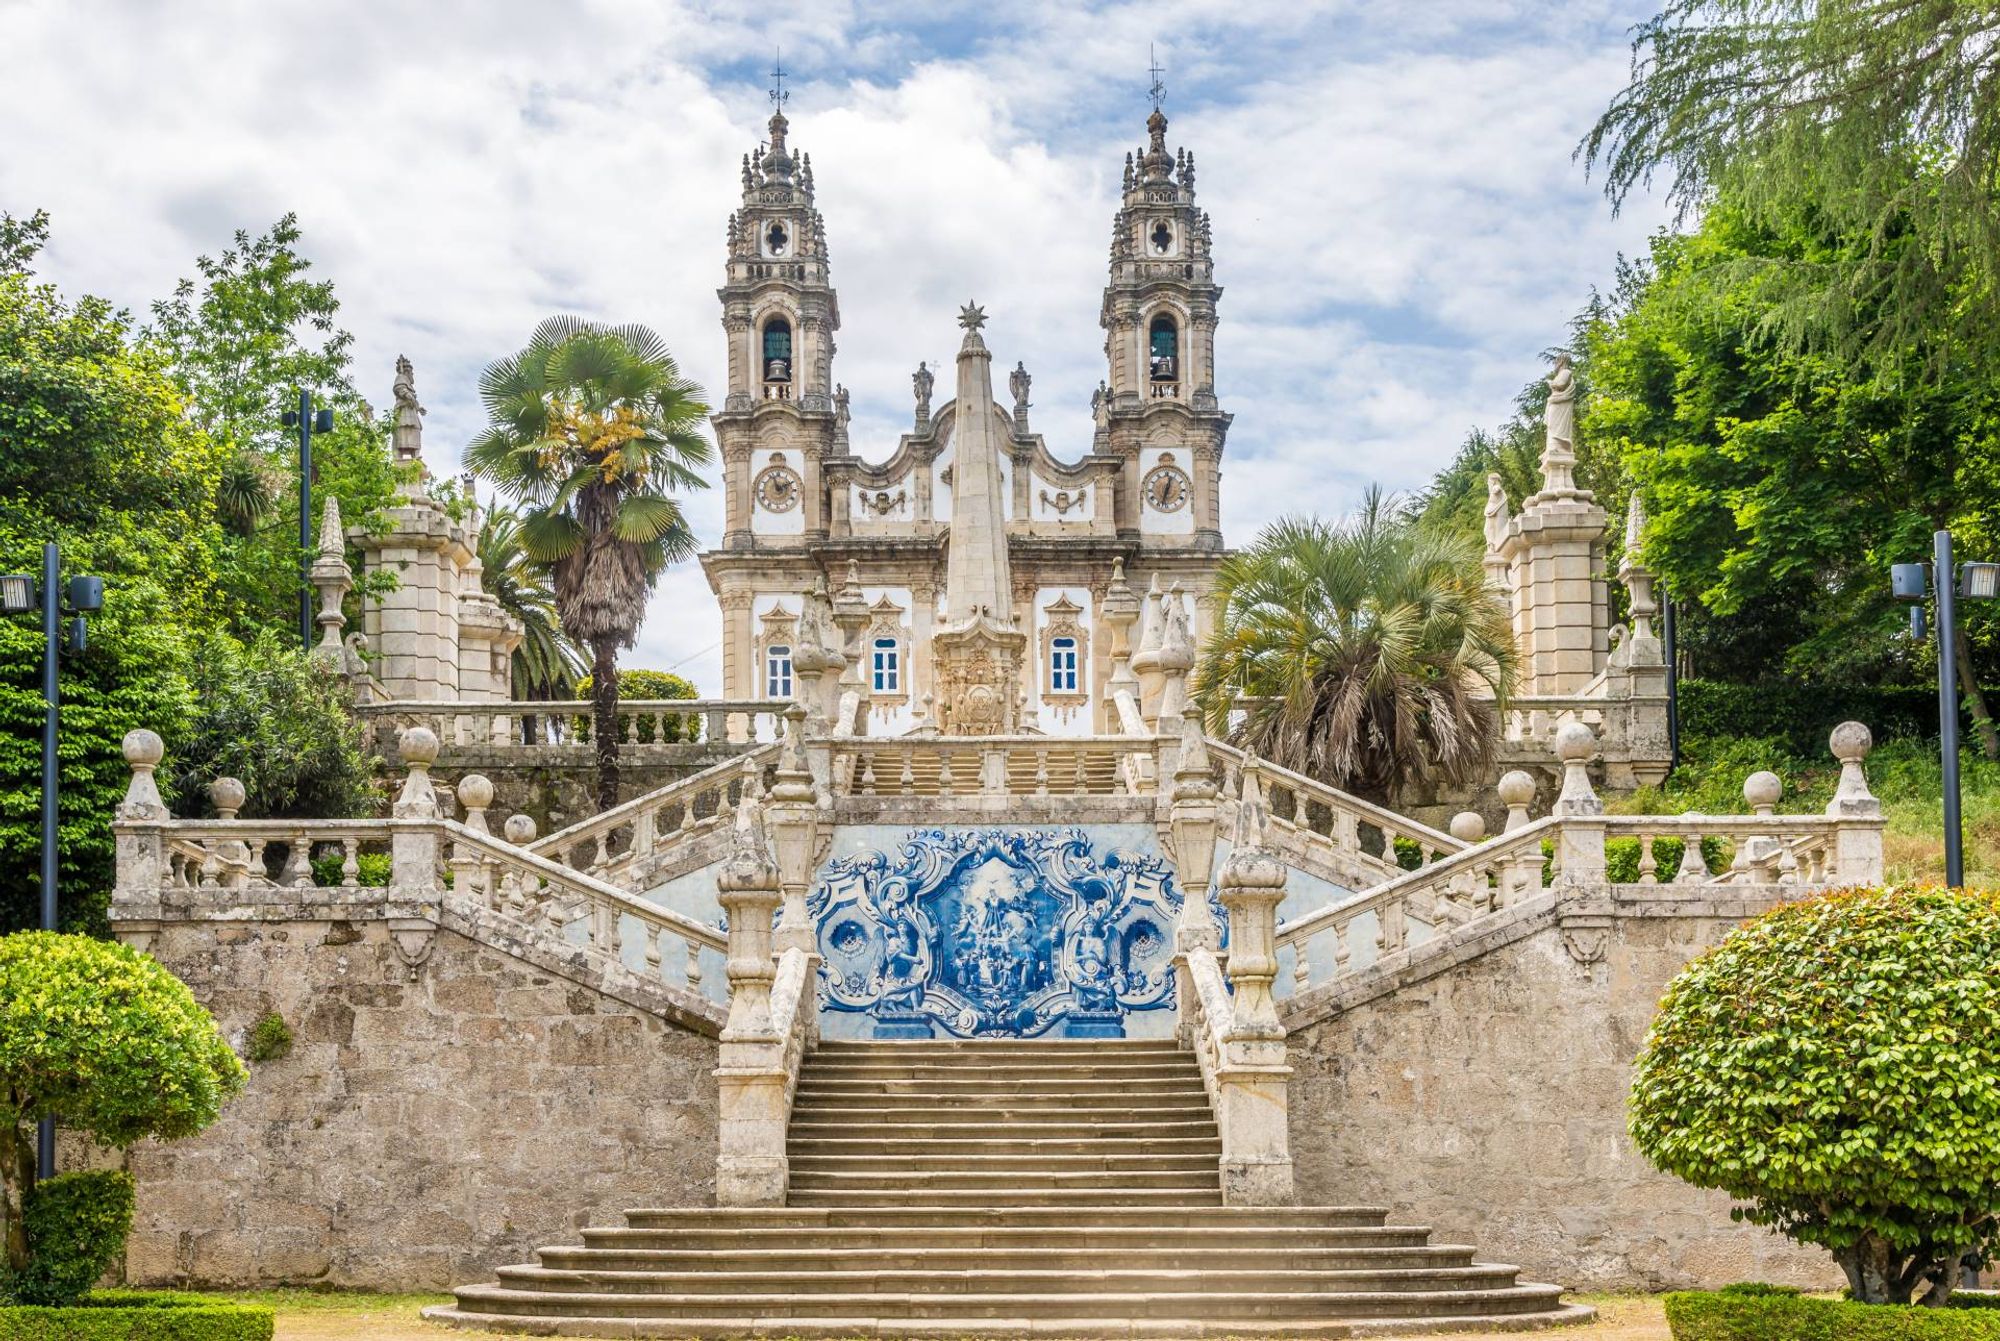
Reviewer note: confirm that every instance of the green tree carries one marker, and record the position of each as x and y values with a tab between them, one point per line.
108	1043
241	341
1835	1065
592	430
1370	650
21	240
1883	116
546	664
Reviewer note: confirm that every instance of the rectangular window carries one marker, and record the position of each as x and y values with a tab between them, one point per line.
778	672
887	666
1062	666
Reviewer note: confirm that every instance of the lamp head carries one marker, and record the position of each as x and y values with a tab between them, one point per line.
1979	581
1909	581
86	594
17	594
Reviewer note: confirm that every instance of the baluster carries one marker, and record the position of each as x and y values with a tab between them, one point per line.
1041	772
1693	869
1082	780
1347	831
867	772
716	724
350	863
1301	968
908	781
255	862
693	966
945	779
602	858
1788	865
1392	928
1343	950
298	865
1649	867
650	936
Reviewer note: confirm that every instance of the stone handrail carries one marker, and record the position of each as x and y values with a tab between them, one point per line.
1452	891
624	841
1765	849
534	724
1294	799
235	854
1021	765
1537	717
1210	1012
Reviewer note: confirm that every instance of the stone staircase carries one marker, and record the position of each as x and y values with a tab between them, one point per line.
996	1189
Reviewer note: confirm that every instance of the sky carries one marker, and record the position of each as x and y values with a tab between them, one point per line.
1401	228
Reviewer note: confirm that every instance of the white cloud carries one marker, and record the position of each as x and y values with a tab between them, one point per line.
1399	225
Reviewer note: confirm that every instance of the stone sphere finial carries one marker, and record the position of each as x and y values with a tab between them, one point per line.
144	749
519	830
1576	743
1516	788
1850	742
1468	827
227	796
1762	790
418	746
475	791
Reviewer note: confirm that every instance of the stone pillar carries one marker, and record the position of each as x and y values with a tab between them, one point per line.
1177	659
750	1167
332	580
1580	839
1252	1076
1120	610
1857	842
139	841
792	817
1523	877
414	850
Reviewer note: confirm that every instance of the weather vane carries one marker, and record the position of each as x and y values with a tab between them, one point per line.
1159	88
778	95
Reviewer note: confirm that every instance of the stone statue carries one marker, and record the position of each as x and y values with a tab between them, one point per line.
841	412
923	379
1018	382
409	430
1559	457
1496	511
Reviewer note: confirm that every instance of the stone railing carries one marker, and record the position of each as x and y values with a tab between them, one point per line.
1356	838
627	843
1762	848
993	766
530	726
271	854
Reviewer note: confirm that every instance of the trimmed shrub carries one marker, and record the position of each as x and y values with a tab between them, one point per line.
1835	1065
643	685
1741	1315
120	1315
270	1039
76	1225
1802	714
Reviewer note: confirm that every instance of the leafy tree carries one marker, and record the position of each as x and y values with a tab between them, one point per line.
655	685
105	1041
592	429
241	342
1882	115
21	240
546	664
1364	645
1835	1065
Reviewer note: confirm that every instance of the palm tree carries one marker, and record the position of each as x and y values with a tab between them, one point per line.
1367	649
592	429
547	664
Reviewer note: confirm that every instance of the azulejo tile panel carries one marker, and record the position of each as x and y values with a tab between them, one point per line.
996	933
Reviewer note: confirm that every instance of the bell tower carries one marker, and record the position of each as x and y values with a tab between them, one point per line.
779	312
1158	408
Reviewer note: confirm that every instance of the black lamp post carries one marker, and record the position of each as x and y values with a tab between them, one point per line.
1911	583
307	423
19	594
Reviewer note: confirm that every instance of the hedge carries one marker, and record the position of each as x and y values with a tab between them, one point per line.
1741	1315
76	1225
1803	715
119	1315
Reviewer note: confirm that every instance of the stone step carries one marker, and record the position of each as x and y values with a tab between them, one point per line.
886	1147
877	1175
1190	1256
1095	1243
959	1049
1070	1092
998	1219
1009	1282
1010	1199
1203	1128
1084	1073
883	1111
1134	1165
1174	1306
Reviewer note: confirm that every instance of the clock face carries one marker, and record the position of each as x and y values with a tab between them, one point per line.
777	489
1166	489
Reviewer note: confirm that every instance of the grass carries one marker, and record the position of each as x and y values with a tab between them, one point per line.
1904	774
320	1315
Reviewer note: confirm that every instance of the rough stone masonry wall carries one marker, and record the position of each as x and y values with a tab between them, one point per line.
421	1132
1489	1102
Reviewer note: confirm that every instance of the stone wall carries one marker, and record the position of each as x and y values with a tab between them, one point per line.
1486	1097
429	1124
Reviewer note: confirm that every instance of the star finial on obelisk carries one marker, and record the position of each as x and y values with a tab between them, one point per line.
972	316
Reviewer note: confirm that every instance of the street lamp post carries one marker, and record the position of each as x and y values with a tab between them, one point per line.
307	423
1946	581
20	594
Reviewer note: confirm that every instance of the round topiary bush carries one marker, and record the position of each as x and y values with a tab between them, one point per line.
108	1043
641	686
1835	1065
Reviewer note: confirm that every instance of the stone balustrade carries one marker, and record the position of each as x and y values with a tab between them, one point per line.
994	766
541	726
626	844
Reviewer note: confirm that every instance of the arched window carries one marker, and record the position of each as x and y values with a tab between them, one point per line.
886	666
1062	666
1163	347
778	671
777	350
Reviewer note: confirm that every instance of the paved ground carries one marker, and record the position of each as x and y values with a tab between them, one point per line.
348	1317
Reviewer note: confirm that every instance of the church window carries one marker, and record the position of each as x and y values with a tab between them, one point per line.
1164	349
887	666
777	350
1062	666
776	239
1163	237
778	671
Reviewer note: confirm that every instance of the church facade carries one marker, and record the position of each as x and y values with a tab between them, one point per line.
981	580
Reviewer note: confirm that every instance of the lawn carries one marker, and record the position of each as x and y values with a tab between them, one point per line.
305	1315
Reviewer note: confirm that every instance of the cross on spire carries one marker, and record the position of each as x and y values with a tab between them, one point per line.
1158	89
778	95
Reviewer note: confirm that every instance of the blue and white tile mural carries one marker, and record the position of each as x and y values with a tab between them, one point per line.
996	933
